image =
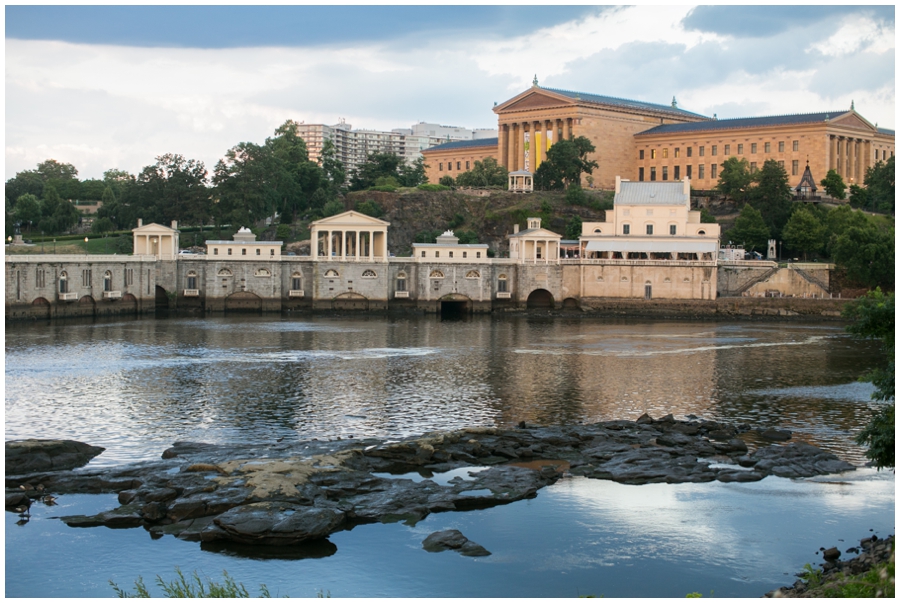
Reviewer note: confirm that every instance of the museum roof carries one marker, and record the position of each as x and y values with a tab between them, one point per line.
651	193
744	122
885	131
623	102
464	144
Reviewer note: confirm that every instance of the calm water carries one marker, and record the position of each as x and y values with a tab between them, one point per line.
136	386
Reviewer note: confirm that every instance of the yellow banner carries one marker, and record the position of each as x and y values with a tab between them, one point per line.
538	147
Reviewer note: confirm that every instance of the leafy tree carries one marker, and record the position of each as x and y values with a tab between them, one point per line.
575	195
859	197
335	173
705	216
750	230
484	173
838	220
573	228
413	174
447	181
804	232
174	188
867	253
879	183
376	166
388	183
27	209
735	179
332	208
771	195
834	185
295	176
245	184
467	237
873	318
102	225
51	169
57	215
566	162
370	208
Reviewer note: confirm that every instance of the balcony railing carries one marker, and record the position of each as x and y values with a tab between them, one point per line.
112	295
503	295
192	292
401	294
295	293
70	296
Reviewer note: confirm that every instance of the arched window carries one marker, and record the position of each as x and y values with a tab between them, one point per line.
502	286
107	281
597	231
369	274
225	272
296	281
63	282
331	273
436	274
473	274
191	280
262	272
701	232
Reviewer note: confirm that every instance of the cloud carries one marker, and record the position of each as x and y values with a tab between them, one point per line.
767	20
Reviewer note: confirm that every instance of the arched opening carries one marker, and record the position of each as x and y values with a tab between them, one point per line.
243	301
130	302
540	298
455	307
350	301
570	303
40	308
162	298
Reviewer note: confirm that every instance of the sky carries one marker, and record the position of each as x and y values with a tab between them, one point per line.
113	87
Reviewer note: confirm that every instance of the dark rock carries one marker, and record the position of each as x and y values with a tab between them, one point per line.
16	498
644	419
29	456
277	523
127	496
776	435
453	540
721	434
153	511
831	554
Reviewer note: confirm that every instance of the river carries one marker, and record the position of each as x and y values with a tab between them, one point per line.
135	386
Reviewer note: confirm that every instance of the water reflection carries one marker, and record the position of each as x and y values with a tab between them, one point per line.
135	386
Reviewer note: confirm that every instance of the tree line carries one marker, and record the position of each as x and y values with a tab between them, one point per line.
250	183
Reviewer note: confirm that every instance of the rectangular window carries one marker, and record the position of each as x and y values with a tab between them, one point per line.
272	253
129	276
451	254
781	163
796	145
39	278
715	150
243	252
781	146
86	278
752	147
458	165
702	151
441	166
640	154
768	147
229	251
478	254
665	153
192	282
296	285
701	169
672	229
465	254
795	167
677	153
665	172
727	150
449	166
652	174
652	153
467	165
640	174
752	167
626	229
740	149
501	286
423	254
677	172
258	252
401	284
437	254
690	151
649	229
688	171
215	251
713	171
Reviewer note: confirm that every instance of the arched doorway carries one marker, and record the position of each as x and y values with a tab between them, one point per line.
350	301
243	301
540	298
570	303
162	298
455	306
129	303
40	308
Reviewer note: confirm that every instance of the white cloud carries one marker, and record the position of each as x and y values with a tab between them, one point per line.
858	33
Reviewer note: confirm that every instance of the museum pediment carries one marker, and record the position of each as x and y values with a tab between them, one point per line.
536	98
853	120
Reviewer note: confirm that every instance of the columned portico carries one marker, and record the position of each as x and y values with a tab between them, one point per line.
350	236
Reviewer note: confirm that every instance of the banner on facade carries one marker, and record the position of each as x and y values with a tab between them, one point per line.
538	148
525	147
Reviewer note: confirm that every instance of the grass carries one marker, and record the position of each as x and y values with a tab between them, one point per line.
194	587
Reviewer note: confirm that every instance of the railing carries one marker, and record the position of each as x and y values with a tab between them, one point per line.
295	293
361	259
71	296
747	263
112	295
401	294
192	292
605	262
503	295
54	258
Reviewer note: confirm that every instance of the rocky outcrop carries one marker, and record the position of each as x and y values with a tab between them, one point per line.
291	493
27	456
453	540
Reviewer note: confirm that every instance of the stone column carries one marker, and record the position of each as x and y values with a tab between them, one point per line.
831	161
860	170
520	164
371	248
511	147
570	125
502	145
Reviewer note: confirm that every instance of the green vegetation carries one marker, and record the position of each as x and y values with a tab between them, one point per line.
435	187
566	162
193	587
804	232
484	173
873	318
749	230
370	208
834	185
878	195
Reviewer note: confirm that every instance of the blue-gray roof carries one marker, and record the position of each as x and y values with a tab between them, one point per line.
885	131
464	144
652	193
744	122
624	102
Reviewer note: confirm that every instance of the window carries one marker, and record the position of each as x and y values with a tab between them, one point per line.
451	254
296	282
752	167
752	147
672	229
260	272
473	274
677	153
768	147
781	163
229	251
640	154
215	251
401	282
436	274
649	229
688	171
713	171
740	149
701	232
63	283
449	166
225	272
502	284
781	146
243	252
257	252
701	169
331	273
458	164
665	153
423	254
369	274
437	254
129	276
477	254
465	254
191	280
86	278
39	278
626	229
467	165
271	253
652	153
795	167
702	151
727	149
677	172
107	281
441	166
796	145
640	174
715	150
652	174
690	151
665	172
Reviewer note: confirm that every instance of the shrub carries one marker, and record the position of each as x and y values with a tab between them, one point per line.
435	187
283	232
370	208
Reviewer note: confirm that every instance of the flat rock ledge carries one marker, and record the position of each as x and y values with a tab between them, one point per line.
26	456
289	493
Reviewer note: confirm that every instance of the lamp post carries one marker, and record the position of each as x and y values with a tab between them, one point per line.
85	245
42	241
9	240
54	245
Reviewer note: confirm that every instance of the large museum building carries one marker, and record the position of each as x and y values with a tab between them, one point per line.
648	142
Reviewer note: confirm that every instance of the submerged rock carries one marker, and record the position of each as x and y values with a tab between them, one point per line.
453	540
